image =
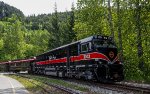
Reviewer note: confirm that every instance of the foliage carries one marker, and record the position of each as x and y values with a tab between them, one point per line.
22	38
16	42
58	34
133	18
36	47
91	19
7	11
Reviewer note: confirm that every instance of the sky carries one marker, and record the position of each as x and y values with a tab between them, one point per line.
30	7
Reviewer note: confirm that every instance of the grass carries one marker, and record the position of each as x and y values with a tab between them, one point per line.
59	82
39	81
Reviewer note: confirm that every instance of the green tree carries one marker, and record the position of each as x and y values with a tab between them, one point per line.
110	19
36	42
119	25
139	33
72	33
55	40
91	18
13	39
130	18
67	27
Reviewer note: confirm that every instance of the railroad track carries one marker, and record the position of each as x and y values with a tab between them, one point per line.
136	89
62	88
123	88
119	87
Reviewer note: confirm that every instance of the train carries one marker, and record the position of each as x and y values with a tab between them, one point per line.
17	65
92	58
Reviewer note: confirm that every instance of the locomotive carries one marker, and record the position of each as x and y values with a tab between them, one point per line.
92	58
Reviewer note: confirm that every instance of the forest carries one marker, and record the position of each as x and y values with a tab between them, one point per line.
127	21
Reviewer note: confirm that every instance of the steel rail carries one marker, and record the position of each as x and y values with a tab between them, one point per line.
67	90
113	86
139	89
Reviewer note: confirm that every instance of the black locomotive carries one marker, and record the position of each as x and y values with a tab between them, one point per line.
92	58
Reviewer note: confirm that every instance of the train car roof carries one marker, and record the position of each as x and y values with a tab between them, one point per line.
79	41
18	60
61	47
64	46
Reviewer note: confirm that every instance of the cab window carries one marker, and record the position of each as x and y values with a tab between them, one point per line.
86	47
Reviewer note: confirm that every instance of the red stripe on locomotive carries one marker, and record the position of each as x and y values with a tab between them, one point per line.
89	56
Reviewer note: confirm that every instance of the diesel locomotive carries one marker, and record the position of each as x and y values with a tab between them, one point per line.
92	58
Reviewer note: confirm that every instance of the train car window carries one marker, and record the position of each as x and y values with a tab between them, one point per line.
84	47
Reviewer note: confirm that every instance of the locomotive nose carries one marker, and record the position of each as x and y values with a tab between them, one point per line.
116	72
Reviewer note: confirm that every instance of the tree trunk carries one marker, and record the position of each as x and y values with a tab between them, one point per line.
139	40
119	31
110	19
72	35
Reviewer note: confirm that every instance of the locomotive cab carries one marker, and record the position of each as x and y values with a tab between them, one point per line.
109	66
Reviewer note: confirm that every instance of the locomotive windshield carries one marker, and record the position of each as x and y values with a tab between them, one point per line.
104	43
